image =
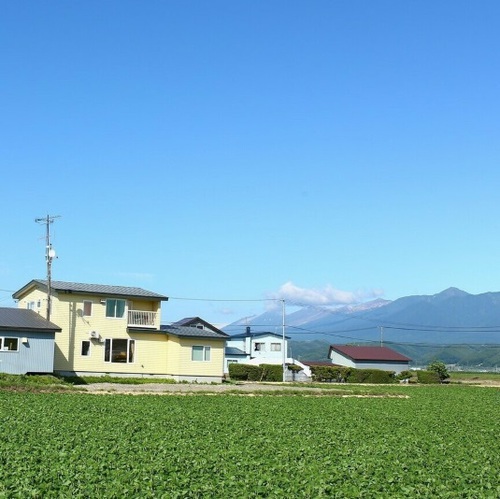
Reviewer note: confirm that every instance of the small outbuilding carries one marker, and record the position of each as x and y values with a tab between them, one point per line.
26	342
368	357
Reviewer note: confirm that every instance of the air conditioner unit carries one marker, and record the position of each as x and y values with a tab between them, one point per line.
94	334
103	302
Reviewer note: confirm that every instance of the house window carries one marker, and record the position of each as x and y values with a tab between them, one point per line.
87	308
115	308
30	305
85	348
259	347
119	350
200	353
275	347
9	344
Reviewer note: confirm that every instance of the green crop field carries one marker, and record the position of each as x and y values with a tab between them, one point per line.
439	441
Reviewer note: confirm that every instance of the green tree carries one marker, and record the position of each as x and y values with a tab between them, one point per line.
440	369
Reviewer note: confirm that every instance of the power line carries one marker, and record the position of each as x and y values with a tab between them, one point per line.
224	299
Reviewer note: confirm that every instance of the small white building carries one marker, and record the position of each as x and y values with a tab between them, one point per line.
259	348
368	357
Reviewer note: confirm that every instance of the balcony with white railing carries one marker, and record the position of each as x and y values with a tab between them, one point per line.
142	318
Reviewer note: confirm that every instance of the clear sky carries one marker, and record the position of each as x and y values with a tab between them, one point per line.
322	152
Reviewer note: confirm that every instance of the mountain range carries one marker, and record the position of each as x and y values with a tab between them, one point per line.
451	317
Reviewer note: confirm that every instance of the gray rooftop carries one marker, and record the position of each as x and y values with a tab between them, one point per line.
93	289
193	332
195	322
234	351
24	319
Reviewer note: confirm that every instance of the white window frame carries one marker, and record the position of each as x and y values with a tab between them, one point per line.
259	346
205	353
114	316
2	343
131	350
275	347
88	354
91	305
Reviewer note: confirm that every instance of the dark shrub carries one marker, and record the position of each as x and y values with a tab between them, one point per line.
245	372
371	376
272	372
330	374
428	377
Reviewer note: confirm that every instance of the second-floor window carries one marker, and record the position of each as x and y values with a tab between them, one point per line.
87	308
115	308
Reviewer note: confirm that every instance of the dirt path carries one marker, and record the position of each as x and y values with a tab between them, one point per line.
241	387
166	388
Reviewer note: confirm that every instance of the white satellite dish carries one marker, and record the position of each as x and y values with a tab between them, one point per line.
52	253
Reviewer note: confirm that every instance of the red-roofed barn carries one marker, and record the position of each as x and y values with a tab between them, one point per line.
366	357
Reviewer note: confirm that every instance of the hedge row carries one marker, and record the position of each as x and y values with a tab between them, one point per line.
263	372
338	374
332	374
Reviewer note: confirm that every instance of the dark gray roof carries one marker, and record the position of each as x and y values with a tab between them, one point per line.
24	319
185	322
195	321
193	332
258	335
234	351
92	289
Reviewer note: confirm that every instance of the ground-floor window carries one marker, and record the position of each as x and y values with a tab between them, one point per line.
200	353
85	348
9	344
275	347
119	350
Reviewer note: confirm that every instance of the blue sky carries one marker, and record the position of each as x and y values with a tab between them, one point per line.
227	152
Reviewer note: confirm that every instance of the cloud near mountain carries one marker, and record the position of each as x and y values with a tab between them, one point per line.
327	296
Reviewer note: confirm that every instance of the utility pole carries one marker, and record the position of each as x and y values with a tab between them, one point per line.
50	254
381	336
283	316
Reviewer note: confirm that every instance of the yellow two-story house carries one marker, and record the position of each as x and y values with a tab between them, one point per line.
117	330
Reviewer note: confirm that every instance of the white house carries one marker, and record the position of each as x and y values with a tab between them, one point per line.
259	348
368	357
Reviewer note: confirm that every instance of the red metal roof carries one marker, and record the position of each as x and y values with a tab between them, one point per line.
369	353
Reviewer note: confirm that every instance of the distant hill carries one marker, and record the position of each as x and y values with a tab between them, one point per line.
409	324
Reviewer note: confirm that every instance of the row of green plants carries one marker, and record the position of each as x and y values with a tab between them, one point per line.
430	441
249	372
338	374
435	373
